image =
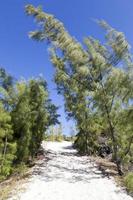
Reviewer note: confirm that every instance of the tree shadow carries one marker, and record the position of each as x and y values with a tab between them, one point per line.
53	171
70	147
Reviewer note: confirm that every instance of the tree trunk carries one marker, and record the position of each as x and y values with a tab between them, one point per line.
4	153
115	149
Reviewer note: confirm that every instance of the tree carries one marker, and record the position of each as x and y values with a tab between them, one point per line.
109	94
6	80
59	133
38	96
52	113
6	87
26	112
21	120
85	77
70	68
31	117
7	144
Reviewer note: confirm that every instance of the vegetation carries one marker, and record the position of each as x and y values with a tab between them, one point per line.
96	81
25	114
129	182
7	144
55	133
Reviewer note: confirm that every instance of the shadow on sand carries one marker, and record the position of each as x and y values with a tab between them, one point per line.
60	171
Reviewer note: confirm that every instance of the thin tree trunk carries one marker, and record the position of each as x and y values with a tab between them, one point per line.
115	149
4	153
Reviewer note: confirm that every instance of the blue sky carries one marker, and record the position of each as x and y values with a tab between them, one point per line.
23	57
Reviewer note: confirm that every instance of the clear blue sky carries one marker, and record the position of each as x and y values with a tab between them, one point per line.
23	57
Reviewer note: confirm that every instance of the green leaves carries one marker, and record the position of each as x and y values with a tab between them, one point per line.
7	144
128	180
96	82
25	114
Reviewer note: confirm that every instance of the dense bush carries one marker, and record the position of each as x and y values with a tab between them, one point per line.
26	112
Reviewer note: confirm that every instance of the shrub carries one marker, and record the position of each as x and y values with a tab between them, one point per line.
128	181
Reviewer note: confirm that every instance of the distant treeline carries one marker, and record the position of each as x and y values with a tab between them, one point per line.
55	133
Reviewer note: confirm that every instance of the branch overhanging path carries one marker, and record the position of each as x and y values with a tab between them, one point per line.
67	176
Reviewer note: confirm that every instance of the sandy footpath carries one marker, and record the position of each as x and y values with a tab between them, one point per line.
66	176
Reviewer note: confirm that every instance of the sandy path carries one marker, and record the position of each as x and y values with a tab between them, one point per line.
69	177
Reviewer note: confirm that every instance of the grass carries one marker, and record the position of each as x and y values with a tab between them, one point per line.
20	174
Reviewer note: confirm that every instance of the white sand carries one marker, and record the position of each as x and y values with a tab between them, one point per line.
69	177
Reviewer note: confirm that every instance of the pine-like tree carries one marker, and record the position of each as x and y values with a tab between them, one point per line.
85	77
21	120
38	96
7	144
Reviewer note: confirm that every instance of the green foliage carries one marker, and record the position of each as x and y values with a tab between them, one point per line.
128	181
25	114
21	120
96	82
31	117
6	81
7	145
20	169
54	134
39	115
